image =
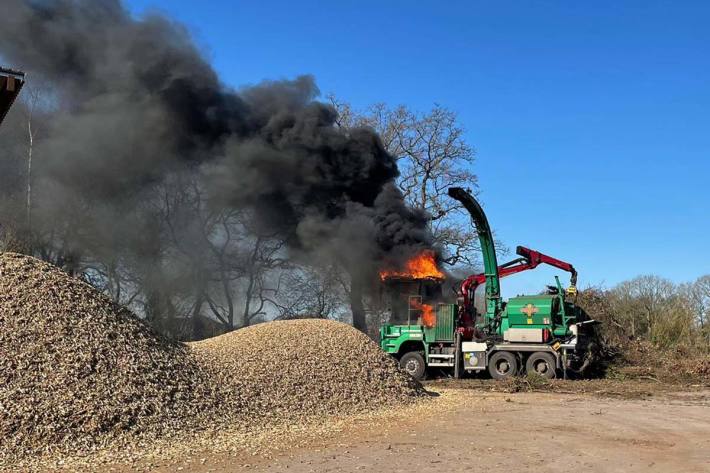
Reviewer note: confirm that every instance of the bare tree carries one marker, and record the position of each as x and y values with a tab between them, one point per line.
433	155
309	292
26	126
32	99
642	301
697	296
228	263
701	299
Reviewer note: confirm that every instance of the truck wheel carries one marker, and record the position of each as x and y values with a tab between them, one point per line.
541	363
413	363
502	365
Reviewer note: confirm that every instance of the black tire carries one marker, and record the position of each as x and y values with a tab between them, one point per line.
541	363
503	365
413	363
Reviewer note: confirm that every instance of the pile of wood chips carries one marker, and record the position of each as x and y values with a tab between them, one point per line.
78	372
80	375
294	368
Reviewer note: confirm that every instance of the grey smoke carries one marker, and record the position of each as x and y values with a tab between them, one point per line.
139	105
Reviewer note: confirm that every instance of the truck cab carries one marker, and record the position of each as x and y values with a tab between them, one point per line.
419	346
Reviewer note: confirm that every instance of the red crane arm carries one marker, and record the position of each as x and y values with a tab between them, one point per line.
530	259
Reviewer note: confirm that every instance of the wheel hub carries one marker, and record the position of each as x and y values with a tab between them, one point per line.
412	366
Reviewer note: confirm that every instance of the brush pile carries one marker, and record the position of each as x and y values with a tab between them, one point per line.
617	353
79	373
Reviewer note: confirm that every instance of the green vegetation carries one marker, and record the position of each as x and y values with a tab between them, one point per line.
652	328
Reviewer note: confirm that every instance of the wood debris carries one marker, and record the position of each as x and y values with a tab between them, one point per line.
80	375
295	368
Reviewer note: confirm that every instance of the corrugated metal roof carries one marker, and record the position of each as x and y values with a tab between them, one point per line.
10	84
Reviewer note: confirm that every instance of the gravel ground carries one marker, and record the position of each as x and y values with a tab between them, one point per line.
82	378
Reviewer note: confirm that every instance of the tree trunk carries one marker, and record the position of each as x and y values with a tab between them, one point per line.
29	175
196	327
357	307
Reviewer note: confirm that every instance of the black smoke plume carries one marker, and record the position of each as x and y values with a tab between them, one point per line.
137	104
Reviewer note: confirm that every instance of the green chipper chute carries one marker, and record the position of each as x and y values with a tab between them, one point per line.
11	83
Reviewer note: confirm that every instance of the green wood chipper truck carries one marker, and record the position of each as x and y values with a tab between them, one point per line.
545	333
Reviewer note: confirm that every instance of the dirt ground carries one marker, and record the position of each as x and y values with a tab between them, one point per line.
478	430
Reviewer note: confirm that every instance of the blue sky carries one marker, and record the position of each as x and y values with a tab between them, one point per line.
591	120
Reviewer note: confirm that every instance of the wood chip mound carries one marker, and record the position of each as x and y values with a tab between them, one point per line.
290	369
77	371
80	375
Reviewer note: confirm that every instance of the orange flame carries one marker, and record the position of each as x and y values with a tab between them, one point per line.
428	315
421	266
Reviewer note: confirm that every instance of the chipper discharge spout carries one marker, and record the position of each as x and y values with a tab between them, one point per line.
490	261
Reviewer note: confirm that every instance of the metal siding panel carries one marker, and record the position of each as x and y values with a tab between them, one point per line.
445	322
